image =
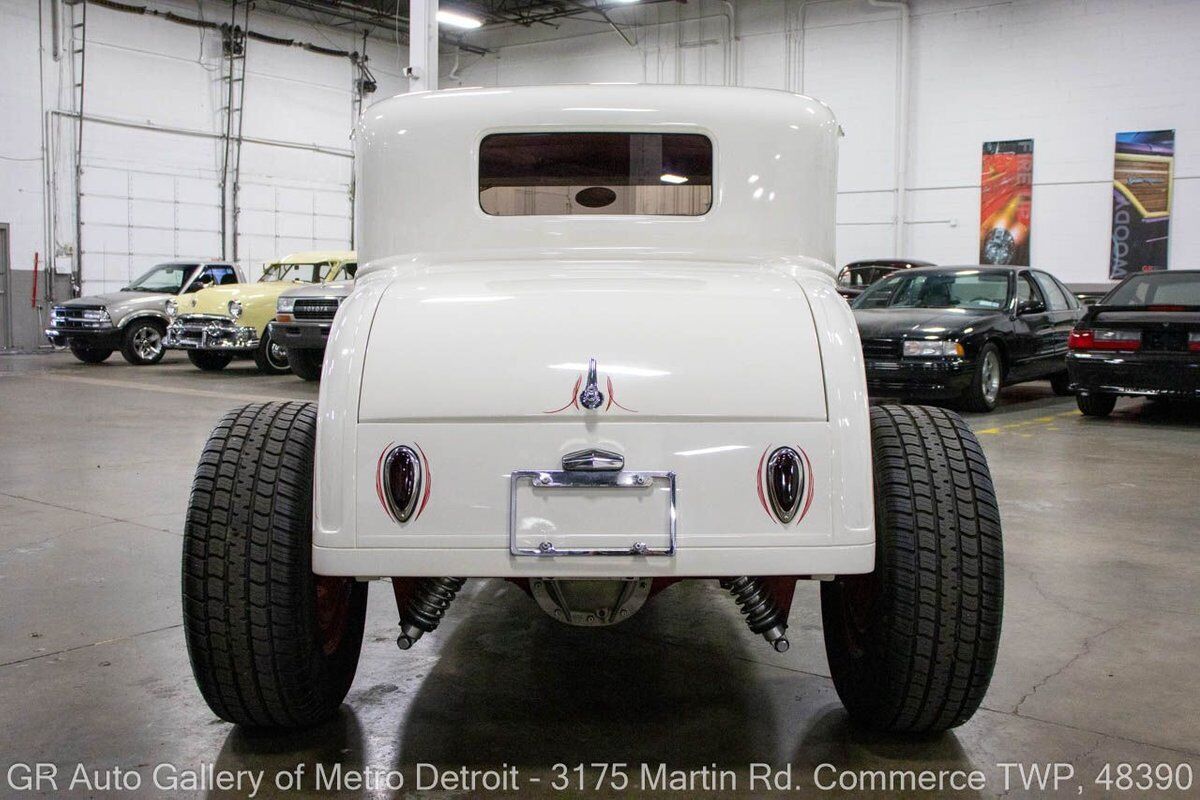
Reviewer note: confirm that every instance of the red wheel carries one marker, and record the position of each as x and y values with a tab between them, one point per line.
334	603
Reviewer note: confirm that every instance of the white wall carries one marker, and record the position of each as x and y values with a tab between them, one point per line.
153	195
1067	73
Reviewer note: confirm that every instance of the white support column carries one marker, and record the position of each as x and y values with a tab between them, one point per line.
422	45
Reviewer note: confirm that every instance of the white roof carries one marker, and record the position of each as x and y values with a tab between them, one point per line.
774	179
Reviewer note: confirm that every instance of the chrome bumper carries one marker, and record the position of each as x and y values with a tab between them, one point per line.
207	332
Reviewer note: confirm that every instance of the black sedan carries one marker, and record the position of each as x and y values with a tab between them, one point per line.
1143	339
856	276
960	333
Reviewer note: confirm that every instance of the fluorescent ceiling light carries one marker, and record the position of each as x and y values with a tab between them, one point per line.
457	20
669	178
624	1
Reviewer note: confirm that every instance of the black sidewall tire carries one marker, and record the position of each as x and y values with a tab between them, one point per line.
1060	383
912	645
262	357
249	595
129	351
974	398
306	362
1095	404
209	360
87	354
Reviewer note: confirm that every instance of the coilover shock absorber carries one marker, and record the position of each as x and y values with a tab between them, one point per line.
763	614
426	607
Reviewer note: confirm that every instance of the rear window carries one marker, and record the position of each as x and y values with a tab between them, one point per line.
534	174
1157	289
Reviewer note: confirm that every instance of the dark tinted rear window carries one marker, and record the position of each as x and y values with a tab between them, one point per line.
665	174
1157	289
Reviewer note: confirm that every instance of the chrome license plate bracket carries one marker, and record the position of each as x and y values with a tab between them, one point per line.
600	481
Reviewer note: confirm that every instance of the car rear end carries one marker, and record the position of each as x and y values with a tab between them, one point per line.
1143	339
1153	351
482	377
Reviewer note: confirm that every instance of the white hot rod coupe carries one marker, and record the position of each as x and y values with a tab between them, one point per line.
595	347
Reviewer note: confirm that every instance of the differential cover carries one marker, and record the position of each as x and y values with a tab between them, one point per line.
590	603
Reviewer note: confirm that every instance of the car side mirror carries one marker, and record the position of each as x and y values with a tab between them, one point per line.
1031	307
202	282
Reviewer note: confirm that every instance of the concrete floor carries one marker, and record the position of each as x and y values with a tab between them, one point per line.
1097	664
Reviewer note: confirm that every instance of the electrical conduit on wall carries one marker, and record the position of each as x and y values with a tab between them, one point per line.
901	120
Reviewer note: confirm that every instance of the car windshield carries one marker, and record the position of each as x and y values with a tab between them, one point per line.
1157	289
303	273
523	174
167	278
963	289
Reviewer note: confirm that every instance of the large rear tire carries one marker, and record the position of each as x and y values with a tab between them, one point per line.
209	360
912	645
306	362
271	644
88	354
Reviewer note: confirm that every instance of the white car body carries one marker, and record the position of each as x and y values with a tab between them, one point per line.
718	338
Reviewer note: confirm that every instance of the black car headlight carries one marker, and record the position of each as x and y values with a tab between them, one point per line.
936	348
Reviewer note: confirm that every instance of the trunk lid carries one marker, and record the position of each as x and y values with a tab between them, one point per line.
515	341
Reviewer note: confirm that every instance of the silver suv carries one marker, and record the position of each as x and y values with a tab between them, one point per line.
134	319
303	319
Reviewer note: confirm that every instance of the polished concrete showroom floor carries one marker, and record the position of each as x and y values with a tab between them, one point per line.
1098	661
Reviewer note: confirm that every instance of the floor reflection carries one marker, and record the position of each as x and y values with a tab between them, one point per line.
510	687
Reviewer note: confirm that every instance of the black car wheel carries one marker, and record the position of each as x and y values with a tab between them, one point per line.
209	360
271	644
142	342
88	354
1095	404
305	362
271	358
984	390
1060	383
912	645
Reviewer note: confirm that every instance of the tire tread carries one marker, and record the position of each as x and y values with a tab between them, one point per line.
940	563
248	602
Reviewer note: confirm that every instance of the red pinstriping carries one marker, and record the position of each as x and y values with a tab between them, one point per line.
809	476
379	480
428	483
762	497
612	400
574	398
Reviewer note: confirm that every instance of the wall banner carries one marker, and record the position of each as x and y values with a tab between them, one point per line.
1006	202
1142	176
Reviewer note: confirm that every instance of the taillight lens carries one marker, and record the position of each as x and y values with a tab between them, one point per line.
402	478
785	483
1194	342
1105	339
